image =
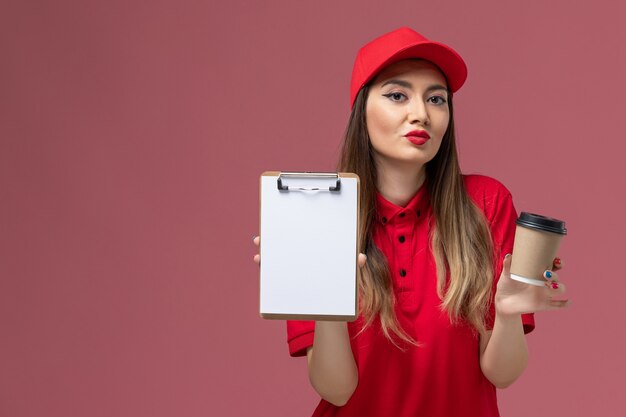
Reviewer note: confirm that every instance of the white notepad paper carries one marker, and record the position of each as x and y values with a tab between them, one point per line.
309	235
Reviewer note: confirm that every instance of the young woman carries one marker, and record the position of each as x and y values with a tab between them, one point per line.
441	322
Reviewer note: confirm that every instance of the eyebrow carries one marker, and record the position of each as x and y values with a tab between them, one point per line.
406	84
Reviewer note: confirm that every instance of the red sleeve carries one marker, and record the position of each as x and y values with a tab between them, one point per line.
299	336
497	204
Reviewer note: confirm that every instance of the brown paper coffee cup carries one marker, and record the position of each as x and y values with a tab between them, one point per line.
537	240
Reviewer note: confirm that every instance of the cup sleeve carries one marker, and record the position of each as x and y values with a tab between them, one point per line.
299	336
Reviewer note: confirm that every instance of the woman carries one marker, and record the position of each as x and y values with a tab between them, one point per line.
436	335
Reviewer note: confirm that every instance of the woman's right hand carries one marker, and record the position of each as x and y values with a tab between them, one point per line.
257	258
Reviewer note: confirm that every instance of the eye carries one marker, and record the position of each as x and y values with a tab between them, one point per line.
438	100
395	96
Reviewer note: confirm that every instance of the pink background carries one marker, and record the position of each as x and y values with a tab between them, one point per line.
132	135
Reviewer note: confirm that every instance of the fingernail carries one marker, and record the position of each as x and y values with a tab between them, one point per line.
555	285
507	255
547	274
557	261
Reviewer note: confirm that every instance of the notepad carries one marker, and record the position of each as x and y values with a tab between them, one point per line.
309	236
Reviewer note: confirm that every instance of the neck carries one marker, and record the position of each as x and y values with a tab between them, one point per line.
398	183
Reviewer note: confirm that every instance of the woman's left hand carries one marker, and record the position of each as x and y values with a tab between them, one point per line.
514	297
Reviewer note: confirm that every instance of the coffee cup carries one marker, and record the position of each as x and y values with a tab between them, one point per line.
537	240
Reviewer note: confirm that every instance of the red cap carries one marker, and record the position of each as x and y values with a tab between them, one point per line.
405	43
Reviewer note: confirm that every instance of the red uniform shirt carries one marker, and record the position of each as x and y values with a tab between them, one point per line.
441	377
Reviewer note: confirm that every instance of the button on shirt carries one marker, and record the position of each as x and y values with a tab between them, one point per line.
402	235
441	376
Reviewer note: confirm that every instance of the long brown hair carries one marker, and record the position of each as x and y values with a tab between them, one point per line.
460	237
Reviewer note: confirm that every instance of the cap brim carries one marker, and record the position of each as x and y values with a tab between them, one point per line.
450	62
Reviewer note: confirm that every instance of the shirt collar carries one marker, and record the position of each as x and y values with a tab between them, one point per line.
386	210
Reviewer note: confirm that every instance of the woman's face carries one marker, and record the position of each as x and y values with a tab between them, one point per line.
407	113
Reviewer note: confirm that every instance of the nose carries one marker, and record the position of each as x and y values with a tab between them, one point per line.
417	112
